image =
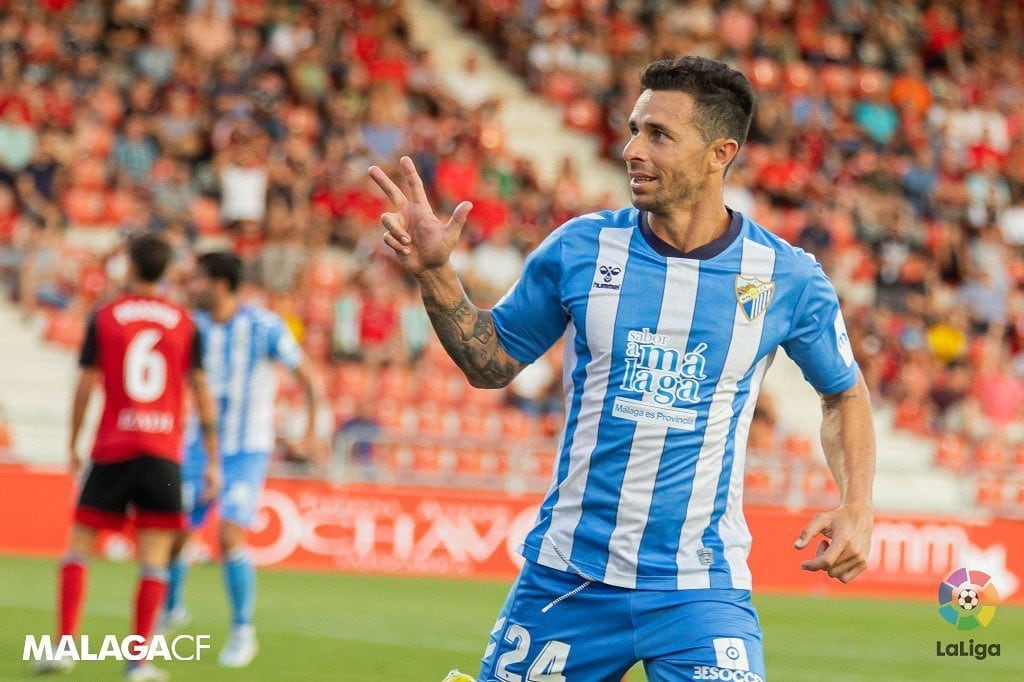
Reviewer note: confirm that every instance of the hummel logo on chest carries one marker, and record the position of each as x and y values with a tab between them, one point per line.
606	275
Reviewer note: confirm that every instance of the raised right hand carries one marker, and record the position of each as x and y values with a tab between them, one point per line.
420	239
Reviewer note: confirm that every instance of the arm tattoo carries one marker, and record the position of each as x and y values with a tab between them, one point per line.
467	333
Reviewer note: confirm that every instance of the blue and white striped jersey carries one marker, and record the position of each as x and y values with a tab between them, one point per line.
664	357
237	357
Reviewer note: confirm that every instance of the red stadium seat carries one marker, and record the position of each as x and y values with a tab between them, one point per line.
551	424
798	448
395	383
538	463
65	328
469	461
494	461
758	478
426	459
93	282
989	455
1018	457
818	481
798	76
319	310
583	114
351	379
489	462
989	492
836	79
324	276
344	408
316	344
473	422
485	397
765	74
205	215
952	452
85	207
88	173
120	205
561	87
517	426
912	415
431	419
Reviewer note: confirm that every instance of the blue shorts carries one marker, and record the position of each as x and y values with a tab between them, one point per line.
599	632
244	476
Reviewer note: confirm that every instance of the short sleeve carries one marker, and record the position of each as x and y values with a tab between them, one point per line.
90	347
282	345
530	317
818	342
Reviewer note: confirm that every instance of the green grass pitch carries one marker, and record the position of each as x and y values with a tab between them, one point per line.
316	626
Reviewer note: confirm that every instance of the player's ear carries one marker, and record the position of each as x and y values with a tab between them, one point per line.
721	153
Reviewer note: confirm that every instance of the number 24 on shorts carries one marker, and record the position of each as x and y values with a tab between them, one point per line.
547	667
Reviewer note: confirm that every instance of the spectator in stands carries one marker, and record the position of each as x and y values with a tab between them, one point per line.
357	438
243	178
496	264
469	85
908	119
17	141
43	280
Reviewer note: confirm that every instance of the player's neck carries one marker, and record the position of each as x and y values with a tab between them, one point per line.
691	227
225	310
141	288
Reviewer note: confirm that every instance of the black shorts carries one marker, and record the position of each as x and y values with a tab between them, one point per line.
150	485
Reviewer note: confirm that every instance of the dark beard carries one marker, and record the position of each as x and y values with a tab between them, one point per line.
662	205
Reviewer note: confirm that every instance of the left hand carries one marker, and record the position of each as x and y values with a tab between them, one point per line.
309	447
212	479
844	554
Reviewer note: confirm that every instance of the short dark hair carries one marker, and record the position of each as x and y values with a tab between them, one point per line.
223	265
724	97
150	253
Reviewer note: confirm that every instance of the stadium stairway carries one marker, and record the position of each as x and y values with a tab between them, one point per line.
35	388
533	126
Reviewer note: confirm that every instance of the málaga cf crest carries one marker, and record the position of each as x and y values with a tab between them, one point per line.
754	295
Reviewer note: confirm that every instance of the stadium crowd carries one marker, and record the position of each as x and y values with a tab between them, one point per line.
253	124
889	142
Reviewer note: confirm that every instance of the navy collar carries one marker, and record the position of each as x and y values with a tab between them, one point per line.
709	250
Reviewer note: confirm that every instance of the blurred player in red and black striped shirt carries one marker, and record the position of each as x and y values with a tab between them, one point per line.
142	349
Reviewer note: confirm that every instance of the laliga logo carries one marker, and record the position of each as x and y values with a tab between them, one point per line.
967	599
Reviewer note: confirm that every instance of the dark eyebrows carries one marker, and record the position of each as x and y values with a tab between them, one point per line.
652	126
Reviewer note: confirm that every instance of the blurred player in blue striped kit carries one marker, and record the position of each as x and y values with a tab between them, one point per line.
240	343
672	310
